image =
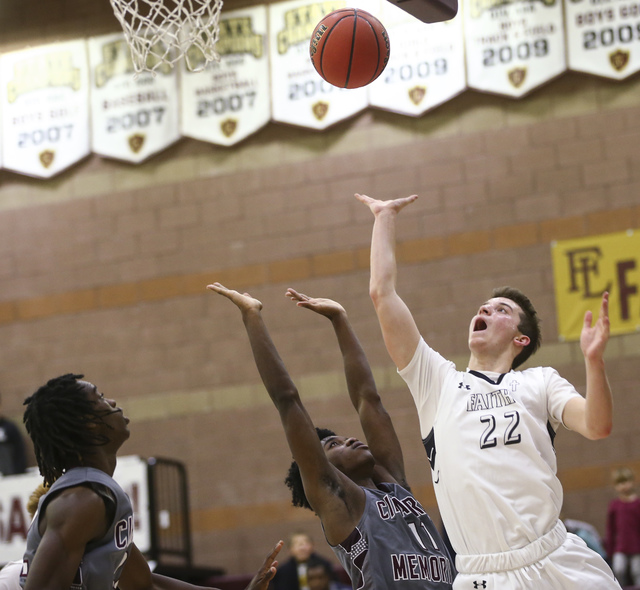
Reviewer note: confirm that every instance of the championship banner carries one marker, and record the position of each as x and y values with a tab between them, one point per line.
603	38
583	269
299	95
45	108
230	100
130	473
426	66
131	119
513	46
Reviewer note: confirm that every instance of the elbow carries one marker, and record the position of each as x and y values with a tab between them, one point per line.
374	290
377	294
600	432
285	397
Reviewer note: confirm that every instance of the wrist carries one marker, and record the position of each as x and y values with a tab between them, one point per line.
387	212
594	362
338	317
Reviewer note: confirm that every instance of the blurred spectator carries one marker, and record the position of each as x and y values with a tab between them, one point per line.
623	528
320	576
292	574
12	449
588	533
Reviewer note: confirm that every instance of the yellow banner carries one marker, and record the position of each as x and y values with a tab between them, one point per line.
583	269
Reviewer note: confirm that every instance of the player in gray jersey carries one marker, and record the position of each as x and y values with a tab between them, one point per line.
82	535
488	431
380	533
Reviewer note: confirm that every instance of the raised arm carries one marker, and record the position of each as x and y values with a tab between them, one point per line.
376	422
592	416
337	500
399	330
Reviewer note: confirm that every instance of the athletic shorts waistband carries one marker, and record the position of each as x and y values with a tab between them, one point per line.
515	559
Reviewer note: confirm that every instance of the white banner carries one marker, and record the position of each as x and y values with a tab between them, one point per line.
604	38
299	95
131	474
45	108
131	119
426	66
230	100
513	46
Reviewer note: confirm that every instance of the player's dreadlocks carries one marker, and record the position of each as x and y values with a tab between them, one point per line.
56	418
294	479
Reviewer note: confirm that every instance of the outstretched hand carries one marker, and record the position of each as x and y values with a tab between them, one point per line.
325	307
244	301
395	205
265	574
593	338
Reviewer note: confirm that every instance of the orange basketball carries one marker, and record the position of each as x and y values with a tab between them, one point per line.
349	48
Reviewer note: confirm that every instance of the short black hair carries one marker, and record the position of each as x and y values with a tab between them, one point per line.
294	479
56	419
529	322
315	561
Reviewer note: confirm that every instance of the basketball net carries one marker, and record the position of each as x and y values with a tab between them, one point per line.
160	32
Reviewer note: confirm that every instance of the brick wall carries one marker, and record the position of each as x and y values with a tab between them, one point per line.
102	271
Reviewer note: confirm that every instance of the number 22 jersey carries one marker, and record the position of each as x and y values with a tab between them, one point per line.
489	439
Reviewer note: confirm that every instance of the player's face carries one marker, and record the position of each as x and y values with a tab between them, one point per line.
349	455
117	429
495	324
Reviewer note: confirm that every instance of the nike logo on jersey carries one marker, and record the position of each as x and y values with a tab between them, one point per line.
488	401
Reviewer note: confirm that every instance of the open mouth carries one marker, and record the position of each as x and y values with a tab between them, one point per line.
479	325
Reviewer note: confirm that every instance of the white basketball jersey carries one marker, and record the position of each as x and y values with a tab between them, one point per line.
489	438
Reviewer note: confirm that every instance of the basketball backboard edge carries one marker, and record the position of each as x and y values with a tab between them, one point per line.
429	11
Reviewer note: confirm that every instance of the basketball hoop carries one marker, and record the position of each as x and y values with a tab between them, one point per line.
160	32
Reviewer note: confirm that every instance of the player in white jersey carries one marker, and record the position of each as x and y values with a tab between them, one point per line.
489	431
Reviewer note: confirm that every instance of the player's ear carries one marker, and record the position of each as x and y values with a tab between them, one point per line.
522	340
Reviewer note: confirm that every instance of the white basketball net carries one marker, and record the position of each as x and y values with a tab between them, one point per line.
160	32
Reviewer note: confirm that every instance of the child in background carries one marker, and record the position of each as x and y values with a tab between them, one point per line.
623	528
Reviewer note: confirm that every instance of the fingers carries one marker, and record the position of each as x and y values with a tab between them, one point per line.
588	318
270	562
295	296
301	299
275	551
604	306
217	288
222	290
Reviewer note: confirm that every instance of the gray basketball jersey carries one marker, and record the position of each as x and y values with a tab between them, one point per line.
395	545
103	559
